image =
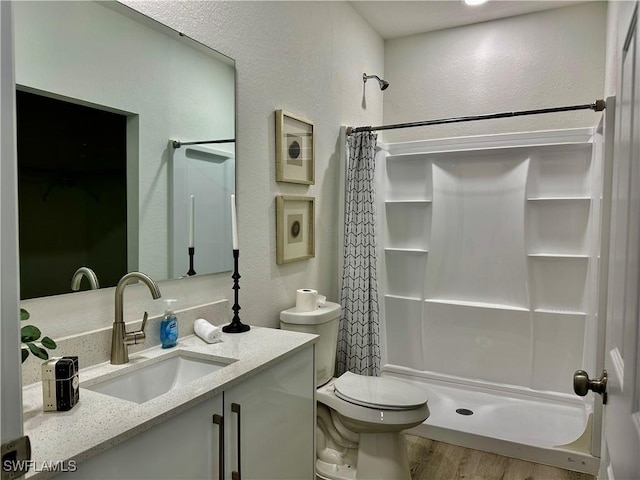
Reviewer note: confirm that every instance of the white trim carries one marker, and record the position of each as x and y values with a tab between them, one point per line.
11	405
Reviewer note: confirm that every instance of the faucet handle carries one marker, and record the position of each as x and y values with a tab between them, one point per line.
144	321
137	336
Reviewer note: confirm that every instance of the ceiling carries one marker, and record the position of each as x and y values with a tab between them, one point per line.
393	19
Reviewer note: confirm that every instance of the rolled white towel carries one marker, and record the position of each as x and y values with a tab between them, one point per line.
209	333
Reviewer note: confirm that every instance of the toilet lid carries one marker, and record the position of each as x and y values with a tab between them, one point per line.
379	392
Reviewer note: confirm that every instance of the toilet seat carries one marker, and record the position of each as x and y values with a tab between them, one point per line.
378	392
370	418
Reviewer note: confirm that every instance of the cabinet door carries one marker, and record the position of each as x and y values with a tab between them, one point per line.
270	422
185	446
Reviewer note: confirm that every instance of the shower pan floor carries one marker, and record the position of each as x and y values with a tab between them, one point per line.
537	429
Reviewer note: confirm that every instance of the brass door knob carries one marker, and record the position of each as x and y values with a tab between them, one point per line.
582	384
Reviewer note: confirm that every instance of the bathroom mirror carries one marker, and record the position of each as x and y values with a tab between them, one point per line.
102	93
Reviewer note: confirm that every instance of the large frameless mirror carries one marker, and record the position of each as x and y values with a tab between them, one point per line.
103	92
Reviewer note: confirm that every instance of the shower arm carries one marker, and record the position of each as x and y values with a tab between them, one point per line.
597	106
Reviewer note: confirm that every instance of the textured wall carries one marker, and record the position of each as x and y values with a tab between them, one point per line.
545	59
303	57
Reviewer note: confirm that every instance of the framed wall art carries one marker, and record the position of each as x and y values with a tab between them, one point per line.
295	228
295	147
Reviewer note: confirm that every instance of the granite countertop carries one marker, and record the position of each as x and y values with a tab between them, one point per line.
98	421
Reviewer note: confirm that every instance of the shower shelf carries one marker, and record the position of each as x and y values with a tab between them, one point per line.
403	297
464	303
529	199
558	312
408	156
495	306
558	198
558	255
409	250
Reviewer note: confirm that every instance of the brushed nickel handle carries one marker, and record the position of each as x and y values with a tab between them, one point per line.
138	336
219	420
582	384
236	475
144	321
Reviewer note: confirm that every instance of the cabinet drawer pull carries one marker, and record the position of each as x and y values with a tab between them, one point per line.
219	420
236	475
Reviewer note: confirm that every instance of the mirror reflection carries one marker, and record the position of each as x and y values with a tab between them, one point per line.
102	93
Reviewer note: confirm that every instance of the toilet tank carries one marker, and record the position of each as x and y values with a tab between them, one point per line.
323	322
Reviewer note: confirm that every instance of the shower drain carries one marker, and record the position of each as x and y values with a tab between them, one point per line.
464	411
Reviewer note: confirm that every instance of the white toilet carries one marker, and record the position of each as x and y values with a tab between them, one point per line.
359	418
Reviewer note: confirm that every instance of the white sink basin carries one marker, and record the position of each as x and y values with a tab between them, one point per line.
155	378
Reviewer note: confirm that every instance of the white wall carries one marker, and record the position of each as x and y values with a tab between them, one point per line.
306	58
545	59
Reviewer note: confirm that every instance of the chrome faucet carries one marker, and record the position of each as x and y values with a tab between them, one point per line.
84	272
120	338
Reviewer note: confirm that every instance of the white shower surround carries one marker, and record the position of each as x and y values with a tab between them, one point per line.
489	250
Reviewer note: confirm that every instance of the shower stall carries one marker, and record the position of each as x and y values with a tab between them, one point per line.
490	253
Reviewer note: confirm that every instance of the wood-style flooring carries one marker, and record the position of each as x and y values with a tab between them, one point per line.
431	460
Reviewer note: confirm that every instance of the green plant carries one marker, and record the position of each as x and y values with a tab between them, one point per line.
30	334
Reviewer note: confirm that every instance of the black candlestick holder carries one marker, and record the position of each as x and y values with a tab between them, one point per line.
236	326
192	252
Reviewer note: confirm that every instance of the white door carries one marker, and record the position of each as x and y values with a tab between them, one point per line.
621	439
11	404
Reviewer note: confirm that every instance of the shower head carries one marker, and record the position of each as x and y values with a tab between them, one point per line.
383	83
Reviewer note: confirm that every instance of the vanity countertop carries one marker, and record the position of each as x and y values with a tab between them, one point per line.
98	422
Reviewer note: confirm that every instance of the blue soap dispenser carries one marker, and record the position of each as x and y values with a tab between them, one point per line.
169	325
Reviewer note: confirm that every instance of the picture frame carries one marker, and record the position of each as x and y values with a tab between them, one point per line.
295	149
295	228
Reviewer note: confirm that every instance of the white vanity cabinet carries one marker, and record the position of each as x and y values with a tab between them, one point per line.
270	423
267	422
186	446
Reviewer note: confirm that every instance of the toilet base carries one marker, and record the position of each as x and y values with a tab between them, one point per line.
381	456
328	471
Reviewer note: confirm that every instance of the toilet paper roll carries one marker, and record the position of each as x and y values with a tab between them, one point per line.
306	300
322	300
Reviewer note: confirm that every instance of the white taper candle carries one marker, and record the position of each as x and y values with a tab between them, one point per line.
234	223
192	213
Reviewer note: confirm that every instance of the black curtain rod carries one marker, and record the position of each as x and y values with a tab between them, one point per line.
597	106
178	143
